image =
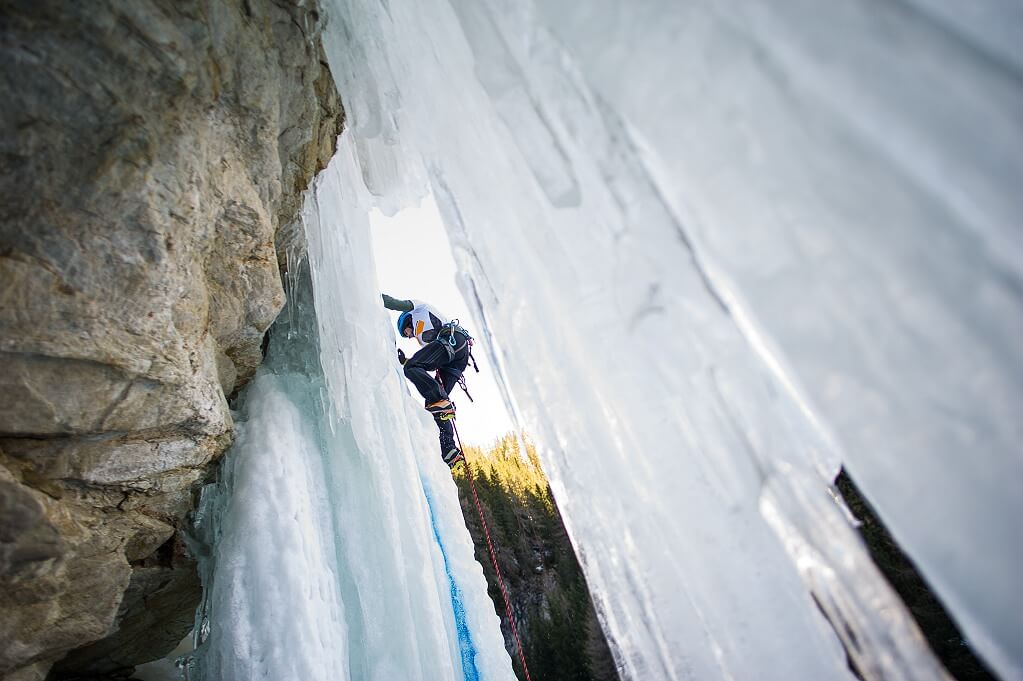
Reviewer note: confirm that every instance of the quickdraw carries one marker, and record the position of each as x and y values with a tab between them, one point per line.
471	357
461	384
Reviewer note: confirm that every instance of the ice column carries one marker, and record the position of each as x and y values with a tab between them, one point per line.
725	249
333	546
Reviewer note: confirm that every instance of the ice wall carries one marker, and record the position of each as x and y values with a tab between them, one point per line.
725	247
333	547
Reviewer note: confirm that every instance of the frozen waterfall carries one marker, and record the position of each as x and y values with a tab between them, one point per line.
336	545
723	249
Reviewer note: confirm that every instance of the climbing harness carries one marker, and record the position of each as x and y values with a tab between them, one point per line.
493	556
452	328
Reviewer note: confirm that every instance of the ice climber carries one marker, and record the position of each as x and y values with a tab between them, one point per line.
445	348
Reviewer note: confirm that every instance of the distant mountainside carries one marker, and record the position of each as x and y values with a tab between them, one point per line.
555	617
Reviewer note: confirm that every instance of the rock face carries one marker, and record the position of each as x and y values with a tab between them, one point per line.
150	151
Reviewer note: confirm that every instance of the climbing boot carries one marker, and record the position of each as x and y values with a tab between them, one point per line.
453	456
441	407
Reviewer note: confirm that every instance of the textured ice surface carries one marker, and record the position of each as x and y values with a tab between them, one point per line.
723	249
338	549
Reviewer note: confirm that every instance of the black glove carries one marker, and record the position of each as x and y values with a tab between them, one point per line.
401	357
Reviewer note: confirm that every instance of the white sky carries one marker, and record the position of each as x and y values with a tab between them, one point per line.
413	259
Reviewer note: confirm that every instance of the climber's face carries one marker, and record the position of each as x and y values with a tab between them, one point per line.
408	332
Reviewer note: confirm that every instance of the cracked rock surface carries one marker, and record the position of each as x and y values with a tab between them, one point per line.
151	151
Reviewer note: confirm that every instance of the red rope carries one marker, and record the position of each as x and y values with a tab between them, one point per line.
493	558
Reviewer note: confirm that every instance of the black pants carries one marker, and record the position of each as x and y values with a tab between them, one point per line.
441	357
437	356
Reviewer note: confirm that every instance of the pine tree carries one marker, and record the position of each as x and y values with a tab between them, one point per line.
554	614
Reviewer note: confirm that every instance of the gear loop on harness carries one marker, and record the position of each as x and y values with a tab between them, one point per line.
452	328
451	343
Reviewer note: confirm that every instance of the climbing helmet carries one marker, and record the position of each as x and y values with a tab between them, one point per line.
404	319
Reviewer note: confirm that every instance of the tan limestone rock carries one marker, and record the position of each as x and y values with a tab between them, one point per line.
150	151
